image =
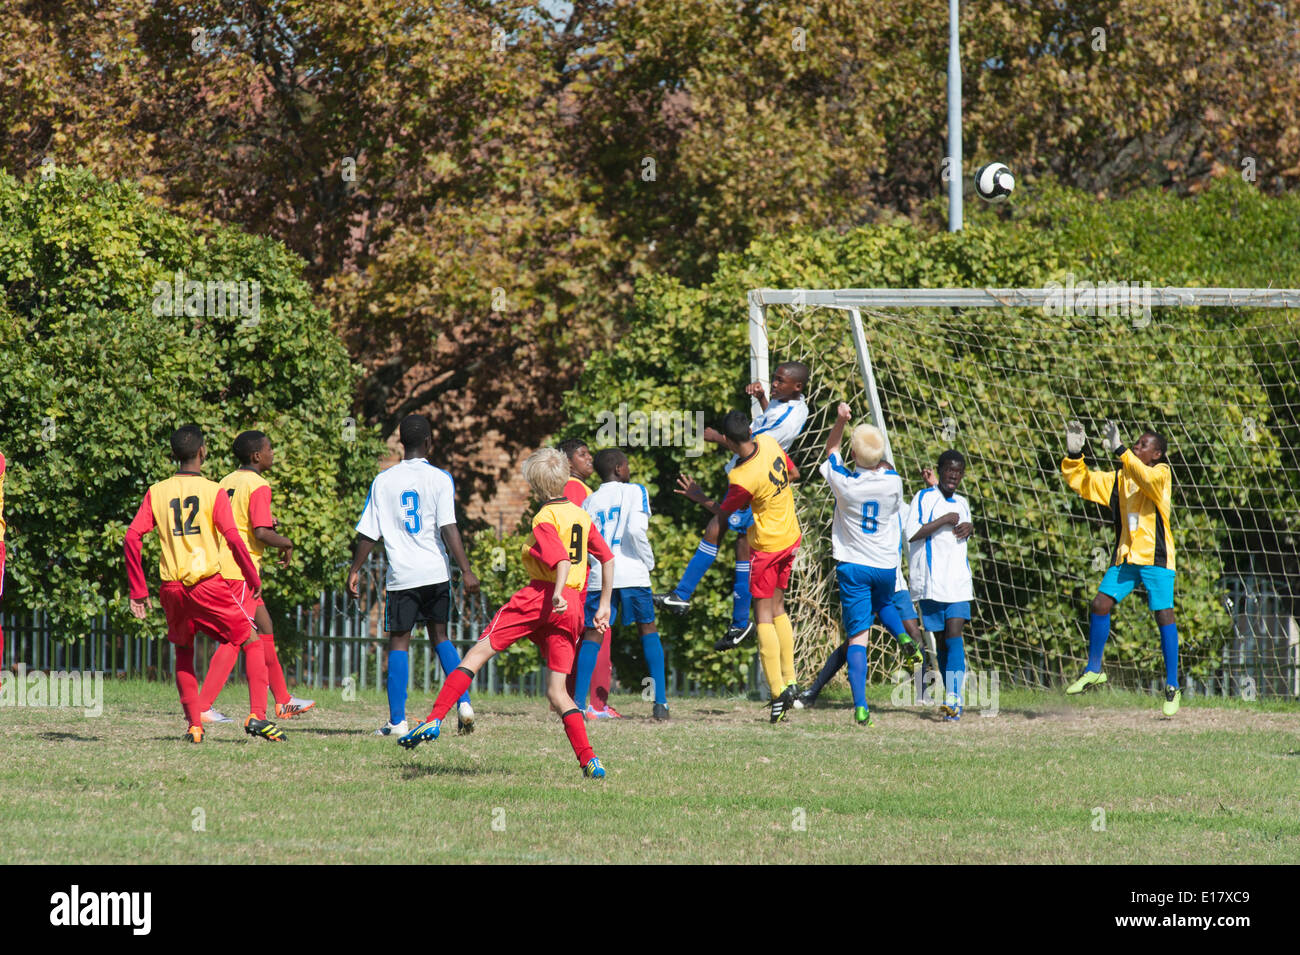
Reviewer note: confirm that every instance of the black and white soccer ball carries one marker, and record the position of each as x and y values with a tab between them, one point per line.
994	182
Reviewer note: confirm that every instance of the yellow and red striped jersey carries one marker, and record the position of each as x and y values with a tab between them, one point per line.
562	530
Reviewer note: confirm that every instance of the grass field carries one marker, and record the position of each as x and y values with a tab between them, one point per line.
716	784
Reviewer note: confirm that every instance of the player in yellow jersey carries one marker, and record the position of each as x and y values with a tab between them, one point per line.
190	514
548	611
250	501
1139	496
761	480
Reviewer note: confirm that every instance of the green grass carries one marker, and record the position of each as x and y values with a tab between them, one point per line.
716	784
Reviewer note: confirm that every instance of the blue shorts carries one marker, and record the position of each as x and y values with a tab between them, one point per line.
632	604
1159	582
903	604
935	613
741	520
863	592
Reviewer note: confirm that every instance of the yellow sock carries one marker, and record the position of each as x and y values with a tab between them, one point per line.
769	651
785	633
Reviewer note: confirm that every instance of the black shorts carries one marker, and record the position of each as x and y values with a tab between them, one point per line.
403	609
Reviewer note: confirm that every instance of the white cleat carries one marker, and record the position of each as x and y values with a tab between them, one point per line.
212	716
295	707
464	718
393	730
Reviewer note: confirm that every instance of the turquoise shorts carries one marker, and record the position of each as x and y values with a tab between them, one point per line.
1122	578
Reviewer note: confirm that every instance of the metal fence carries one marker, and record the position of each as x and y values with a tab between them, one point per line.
335	642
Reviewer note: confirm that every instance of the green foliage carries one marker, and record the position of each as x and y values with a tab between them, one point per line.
97	377
686	349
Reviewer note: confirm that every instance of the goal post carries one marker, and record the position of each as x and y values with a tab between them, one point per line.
997	374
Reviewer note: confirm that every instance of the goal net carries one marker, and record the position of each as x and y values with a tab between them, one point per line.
998	374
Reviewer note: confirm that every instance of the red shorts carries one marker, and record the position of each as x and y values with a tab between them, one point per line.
528	614
769	570
206	606
2	568
243	595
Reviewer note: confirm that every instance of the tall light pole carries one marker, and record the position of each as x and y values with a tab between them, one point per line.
955	175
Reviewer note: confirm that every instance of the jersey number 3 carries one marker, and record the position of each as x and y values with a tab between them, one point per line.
411	501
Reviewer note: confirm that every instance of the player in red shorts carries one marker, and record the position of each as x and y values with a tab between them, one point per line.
250	502
548	611
190	514
761	479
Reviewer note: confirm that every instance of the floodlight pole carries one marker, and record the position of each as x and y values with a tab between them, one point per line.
955	179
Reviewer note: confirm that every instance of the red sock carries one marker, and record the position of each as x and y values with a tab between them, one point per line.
575	727
187	683
457	682
223	661
255	665
274	672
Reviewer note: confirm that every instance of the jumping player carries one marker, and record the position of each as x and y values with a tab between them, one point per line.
190	514
548	611
783	419
250	502
864	543
938	528
761	481
411	507
621	511
581	465
1139	495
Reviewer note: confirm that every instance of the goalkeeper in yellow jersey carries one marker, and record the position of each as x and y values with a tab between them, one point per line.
1138	494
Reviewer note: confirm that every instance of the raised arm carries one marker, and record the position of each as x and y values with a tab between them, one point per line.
1154	481
842	415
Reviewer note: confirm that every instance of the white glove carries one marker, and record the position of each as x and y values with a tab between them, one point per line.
1113	442
1075	437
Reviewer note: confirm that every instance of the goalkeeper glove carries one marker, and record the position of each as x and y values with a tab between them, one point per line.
1113	442
1075	438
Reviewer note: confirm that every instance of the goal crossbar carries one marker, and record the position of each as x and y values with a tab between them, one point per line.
1024	297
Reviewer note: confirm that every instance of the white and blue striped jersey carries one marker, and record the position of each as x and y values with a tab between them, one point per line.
867	505
782	421
407	507
621	512
937	565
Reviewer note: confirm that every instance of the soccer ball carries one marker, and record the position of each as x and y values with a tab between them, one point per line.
994	182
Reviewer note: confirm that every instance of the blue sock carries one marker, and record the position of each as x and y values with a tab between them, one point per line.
890	617
696	567
653	649
954	668
450	659
398	668
1098	634
1169	644
857	657
588	650
740	596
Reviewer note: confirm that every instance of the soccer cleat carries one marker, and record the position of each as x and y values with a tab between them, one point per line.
1173	697
670	601
612	713
910	651
430	730
805	700
783	703
392	729
295	707
862	716
593	769
264	729
736	636
464	719
212	716
661	711
951	708
1088	679
193	735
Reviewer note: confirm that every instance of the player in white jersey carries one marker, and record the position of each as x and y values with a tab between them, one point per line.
864	543
938	528
621	512
411	507
782	419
